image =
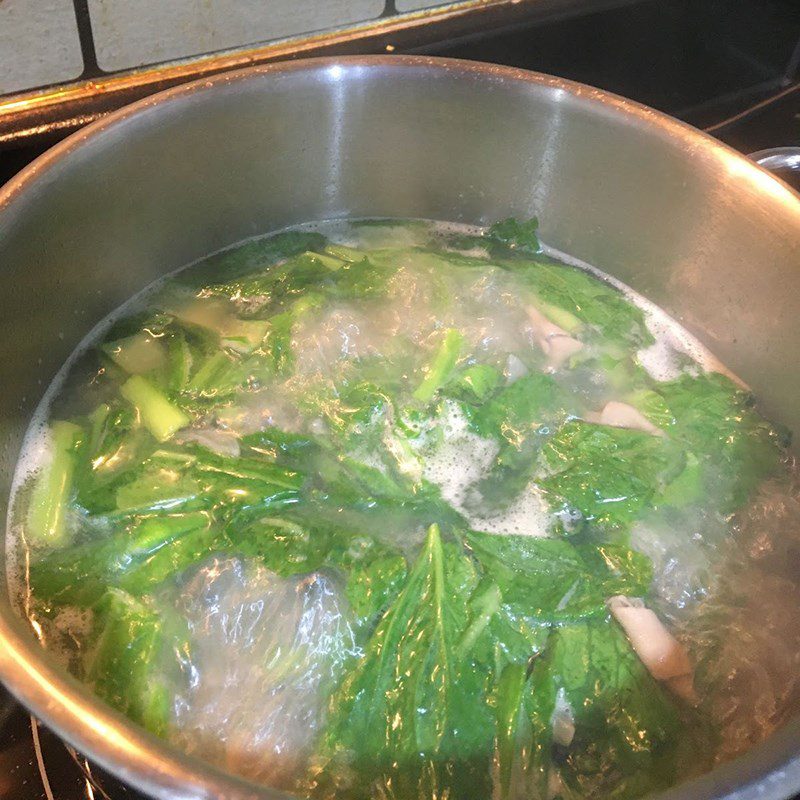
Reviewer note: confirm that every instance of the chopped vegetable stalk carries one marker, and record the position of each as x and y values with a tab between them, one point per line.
245	335
124	667
137	354
158	414
180	362
345	253
98	420
442	365
52	488
512	737
328	260
559	316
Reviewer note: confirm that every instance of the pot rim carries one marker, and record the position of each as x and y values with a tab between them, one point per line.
157	768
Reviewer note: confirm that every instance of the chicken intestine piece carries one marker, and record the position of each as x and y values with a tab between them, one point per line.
554	341
223	442
621	415
661	653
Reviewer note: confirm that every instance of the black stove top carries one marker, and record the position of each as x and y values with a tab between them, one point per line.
728	66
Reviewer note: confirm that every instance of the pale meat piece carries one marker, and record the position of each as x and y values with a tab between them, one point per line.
555	342
621	415
664	656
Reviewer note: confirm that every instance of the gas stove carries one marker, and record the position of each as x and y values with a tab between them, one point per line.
730	67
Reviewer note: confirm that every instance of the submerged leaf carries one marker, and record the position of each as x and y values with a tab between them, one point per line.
411	715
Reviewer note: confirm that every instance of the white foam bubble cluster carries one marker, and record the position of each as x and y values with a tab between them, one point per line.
528	515
458	459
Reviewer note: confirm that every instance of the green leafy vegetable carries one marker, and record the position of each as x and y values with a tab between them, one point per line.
372	586
411	714
250	257
585	298
521	417
626	726
521	409
283	545
348	417
734	447
138	559
475	384
441	367
607	475
554	580
124	666
158	415
524	705
518	236
52	488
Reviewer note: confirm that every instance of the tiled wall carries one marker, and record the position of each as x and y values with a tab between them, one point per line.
126	37
40	44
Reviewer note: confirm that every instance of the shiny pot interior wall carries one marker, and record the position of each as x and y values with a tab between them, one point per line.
689	224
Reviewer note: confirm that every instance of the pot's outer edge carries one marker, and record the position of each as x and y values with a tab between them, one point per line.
770	772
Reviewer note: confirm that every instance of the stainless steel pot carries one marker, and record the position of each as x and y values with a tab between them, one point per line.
689	223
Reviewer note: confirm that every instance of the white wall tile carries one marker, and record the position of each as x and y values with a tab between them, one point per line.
39	44
131	33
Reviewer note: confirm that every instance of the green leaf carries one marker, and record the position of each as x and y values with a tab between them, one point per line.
522	408
586	298
193	477
735	446
371	587
626	726
349	407
278	342
475	384
130	660
437	372
514	235
364	278
151	550
284	546
255	255
292	450
554	580
608	475
53	487
217	377
498	633
521	417
411	715
117	447
653	406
